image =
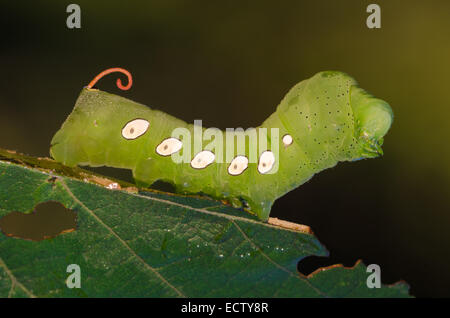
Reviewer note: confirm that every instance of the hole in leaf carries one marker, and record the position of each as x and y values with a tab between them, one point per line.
311	263
47	220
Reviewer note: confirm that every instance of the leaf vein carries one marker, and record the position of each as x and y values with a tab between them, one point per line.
14	280
146	265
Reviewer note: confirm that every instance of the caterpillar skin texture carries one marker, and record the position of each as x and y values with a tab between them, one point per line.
322	120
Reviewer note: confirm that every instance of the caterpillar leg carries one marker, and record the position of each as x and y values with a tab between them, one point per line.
143	175
260	207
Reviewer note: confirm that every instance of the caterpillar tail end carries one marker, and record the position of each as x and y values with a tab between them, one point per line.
373	118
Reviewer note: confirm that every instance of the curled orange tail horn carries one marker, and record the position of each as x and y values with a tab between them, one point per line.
119	82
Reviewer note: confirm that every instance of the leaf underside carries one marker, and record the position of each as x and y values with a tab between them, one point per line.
131	243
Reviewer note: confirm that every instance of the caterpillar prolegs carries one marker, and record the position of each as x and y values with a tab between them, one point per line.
321	121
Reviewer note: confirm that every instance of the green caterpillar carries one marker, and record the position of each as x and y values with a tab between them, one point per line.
321	121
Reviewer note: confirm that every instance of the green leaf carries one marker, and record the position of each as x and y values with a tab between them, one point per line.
131	243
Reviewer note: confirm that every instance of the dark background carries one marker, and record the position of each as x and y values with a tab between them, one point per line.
229	63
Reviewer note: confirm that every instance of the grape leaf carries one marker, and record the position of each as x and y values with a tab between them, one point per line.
134	243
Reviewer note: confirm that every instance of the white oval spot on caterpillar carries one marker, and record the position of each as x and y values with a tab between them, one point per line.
135	128
287	140
238	165
169	146
203	159
266	161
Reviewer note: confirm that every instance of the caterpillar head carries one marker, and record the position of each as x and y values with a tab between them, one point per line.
373	118
330	113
